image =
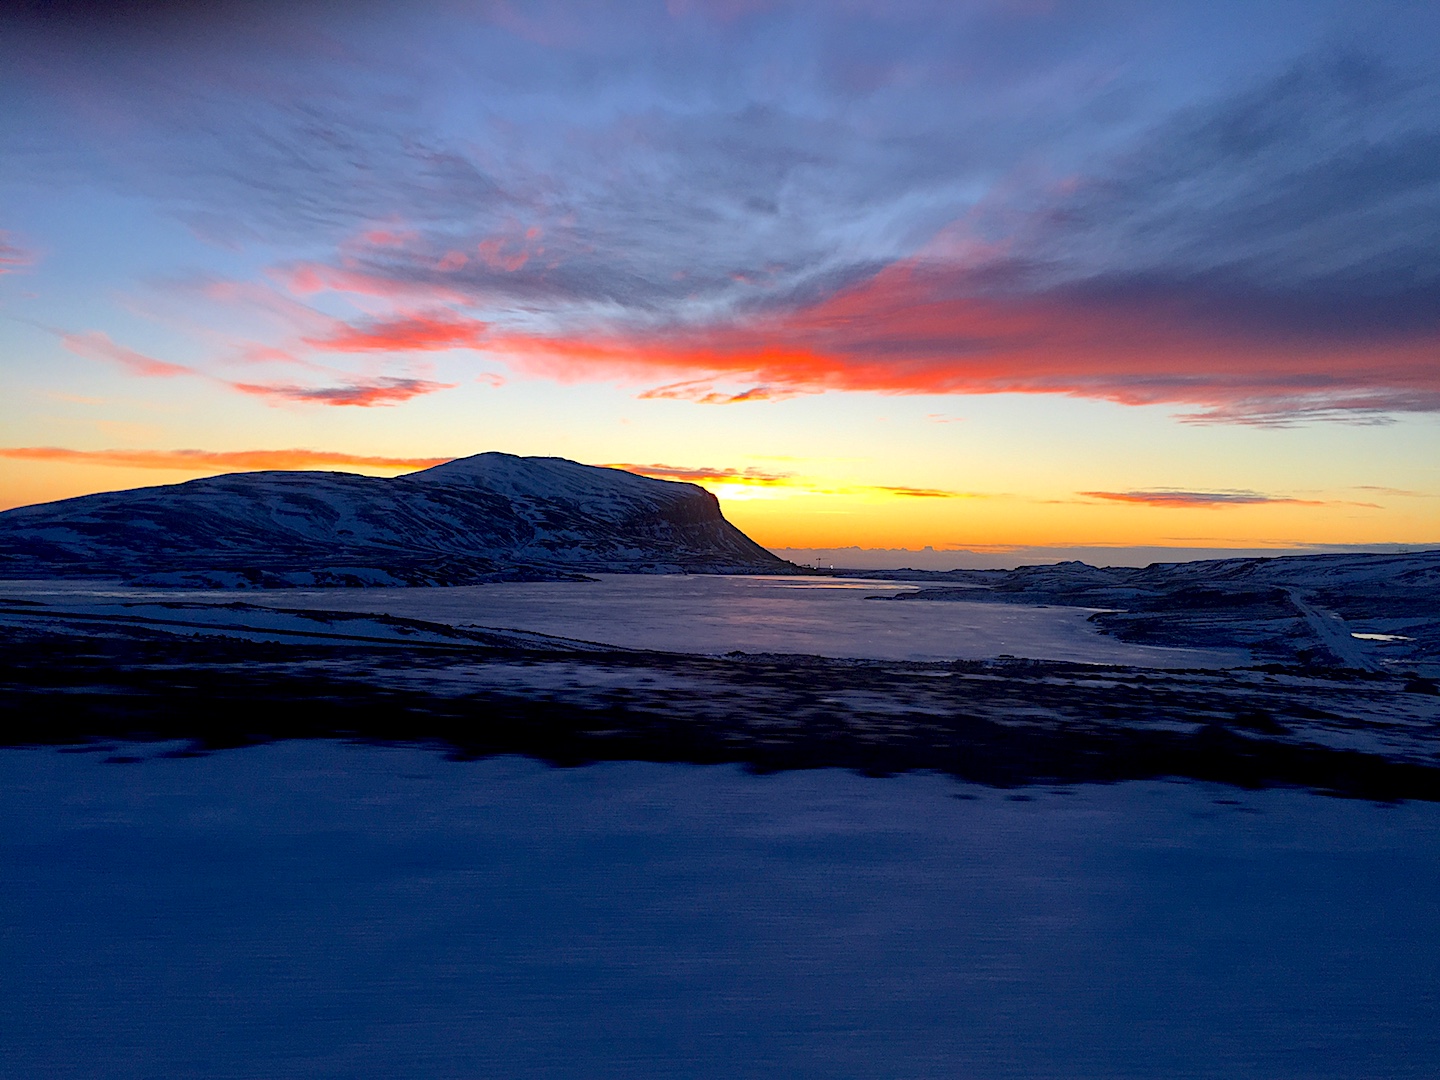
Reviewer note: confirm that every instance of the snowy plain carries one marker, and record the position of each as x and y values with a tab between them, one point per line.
704	614
319	909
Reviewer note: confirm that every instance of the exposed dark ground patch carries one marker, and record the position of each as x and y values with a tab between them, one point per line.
1006	723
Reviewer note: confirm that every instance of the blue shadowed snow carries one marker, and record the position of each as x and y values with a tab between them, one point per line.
324	910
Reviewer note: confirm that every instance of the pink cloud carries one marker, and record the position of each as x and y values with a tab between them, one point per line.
354	277
95	345
1186	499
13	257
388	391
703	393
388	237
407	333
510	249
918	328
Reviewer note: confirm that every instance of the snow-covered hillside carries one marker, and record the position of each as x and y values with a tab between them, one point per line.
1346	609
479	518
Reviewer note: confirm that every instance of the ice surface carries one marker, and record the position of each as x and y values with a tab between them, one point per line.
322	910
708	614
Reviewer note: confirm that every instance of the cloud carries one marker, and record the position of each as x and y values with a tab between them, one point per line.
1185	499
218	460
13	257
761	478
925	493
702	392
1394	491
933	199
412	333
1266	257
149	17
408	333
702	474
1306	200
95	345
387	391
919	327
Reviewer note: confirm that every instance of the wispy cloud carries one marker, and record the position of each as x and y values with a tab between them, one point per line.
95	345
702	474
387	391
1183	499
643	199
703	392
925	493
216	460
1395	491
1261	258
359	392
731	477
921	327
12	256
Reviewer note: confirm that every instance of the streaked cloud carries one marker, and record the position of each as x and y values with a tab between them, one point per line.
702	474
921	327
12	256
216	460
732	478
1188	499
1383	490
96	345
703	392
360	392
936	199
925	493
385	391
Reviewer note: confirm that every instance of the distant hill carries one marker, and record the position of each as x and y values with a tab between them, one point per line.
483	518
1358	610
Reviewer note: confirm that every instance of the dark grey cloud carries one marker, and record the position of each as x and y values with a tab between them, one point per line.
1309	201
161	23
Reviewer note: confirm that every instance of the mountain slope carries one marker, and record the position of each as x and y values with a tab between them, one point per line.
486	517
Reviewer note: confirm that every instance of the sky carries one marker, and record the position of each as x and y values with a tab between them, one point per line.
987	278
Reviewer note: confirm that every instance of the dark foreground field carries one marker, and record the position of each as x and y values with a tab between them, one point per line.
316	907
1006	723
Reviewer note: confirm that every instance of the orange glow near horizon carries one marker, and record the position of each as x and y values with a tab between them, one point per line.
786	509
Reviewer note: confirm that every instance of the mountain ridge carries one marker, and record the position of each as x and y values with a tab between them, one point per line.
487	517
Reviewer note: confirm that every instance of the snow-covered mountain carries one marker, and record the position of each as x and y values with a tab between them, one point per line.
488	517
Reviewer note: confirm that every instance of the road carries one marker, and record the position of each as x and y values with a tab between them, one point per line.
1333	633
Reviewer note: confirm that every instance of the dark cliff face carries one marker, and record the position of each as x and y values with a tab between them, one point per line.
474	519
